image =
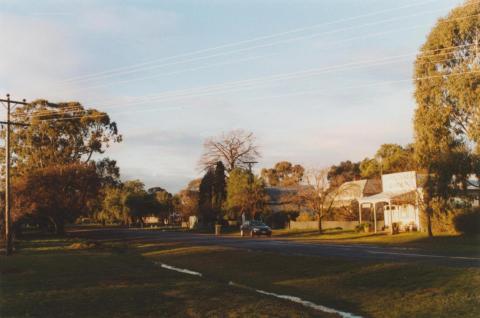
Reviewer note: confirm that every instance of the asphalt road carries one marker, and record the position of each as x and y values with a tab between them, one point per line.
278	245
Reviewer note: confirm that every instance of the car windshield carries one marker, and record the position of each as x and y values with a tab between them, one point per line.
257	223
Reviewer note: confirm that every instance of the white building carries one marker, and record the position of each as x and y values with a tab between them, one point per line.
399	199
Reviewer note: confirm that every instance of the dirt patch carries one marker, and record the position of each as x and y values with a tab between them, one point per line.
84	245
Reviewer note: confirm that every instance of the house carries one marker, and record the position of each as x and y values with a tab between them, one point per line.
348	195
355	190
473	191
281	199
399	200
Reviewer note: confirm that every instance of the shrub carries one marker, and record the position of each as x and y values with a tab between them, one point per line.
361	227
277	220
305	216
468	223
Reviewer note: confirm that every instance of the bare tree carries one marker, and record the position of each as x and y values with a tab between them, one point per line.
318	195
233	149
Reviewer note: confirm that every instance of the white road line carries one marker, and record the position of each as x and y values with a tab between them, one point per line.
180	270
298	300
426	255
294	299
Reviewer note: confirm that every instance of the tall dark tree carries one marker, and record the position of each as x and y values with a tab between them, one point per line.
219	189
205	196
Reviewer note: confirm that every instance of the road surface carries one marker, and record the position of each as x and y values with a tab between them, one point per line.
277	245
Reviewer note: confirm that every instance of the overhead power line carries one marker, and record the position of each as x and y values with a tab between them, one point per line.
315	91
238	43
244	84
363	36
266	79
151	66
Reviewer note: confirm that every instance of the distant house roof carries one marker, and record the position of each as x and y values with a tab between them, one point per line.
281	195
354	190
473	183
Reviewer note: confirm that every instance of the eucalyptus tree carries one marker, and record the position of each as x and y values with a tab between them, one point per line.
447	92
65	134
53	156
283	174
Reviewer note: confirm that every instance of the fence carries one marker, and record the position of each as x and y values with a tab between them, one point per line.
313	225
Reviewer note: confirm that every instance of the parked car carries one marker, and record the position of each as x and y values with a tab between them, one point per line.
253	228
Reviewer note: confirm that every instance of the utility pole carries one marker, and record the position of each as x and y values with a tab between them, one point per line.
250	165
8	123
8	234
250	178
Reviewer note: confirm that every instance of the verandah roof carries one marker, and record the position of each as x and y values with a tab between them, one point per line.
391	197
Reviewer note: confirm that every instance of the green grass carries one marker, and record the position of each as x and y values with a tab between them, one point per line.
59	277
442	243
370	289
69	278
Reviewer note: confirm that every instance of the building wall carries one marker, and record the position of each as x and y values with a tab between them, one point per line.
404	214
399	182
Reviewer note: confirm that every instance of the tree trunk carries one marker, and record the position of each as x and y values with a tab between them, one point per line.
427	197
428	212
320	230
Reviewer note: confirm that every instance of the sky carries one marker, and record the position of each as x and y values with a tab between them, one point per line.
317	82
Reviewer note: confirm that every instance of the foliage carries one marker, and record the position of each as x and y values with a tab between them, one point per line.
233	149
205	196
58	194
447	92
162	201
108	172
219	190
305	216
245	193
63	135
277	220
468	223
370	168
212	194
52	162
113	208
283	174
362	227
129	202
344	172
187	203
389	158
318	196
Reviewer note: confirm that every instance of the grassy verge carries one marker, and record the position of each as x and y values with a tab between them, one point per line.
370	289
59	277
442	243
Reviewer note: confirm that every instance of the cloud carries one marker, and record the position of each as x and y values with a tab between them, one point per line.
36	54
171	182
